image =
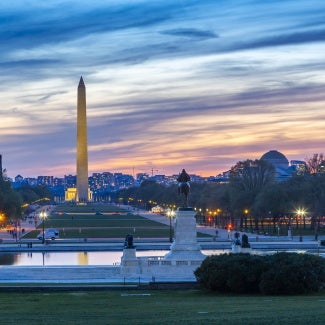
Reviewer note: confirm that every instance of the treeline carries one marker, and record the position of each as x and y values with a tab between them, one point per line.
13	202
251	193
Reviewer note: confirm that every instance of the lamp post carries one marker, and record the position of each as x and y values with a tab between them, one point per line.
245	213
2	217
43	217
170	215
301	214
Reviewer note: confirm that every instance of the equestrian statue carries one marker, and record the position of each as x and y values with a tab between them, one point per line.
184	186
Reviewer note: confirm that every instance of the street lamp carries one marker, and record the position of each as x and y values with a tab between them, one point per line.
2	217
43	216
245	213
170	215
301	214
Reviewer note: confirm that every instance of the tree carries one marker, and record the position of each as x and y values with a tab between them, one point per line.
315	164
247	179
10	201
252	175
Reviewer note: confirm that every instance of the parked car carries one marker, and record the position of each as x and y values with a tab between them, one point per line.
49	234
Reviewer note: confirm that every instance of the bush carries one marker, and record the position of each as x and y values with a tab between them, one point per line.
238	273
292	273
282	273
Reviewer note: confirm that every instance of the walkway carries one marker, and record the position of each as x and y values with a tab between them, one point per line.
27	225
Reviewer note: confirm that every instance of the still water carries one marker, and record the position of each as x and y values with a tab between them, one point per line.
75	258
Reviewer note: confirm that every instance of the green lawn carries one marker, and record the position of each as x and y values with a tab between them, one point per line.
100	222
158	307
88	208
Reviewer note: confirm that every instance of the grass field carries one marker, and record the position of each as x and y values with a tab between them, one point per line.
100	221
88	208
158	307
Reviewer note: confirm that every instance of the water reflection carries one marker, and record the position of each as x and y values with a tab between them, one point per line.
76	258
83	258
68	258
8	259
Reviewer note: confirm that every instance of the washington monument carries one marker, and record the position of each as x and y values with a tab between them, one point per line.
82	150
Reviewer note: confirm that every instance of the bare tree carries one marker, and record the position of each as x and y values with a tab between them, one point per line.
313	164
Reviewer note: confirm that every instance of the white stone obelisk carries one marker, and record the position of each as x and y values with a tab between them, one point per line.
82	145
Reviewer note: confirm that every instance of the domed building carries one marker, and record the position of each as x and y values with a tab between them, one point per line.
276	158
280	163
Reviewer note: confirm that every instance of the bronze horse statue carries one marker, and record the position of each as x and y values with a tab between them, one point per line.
184	186
184	189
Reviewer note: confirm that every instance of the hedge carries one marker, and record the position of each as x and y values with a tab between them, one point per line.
281	273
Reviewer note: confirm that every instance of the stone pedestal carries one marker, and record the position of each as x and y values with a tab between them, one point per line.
129	261
185	246
235	249
289	234
246	250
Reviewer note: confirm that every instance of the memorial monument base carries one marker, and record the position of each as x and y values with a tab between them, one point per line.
185	246
129	261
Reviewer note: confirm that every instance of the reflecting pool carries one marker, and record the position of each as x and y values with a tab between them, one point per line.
77	258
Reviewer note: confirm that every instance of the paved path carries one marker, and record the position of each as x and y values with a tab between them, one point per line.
26	225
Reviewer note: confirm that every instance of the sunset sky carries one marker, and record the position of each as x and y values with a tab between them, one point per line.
195	84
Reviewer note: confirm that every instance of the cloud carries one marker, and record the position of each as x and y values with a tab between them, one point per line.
168	82
32	63
191	33
24	30
296	38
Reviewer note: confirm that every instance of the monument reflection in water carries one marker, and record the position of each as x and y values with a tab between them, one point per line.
67	258
78	258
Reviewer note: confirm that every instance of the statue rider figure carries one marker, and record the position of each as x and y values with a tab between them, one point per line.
184	186
183	179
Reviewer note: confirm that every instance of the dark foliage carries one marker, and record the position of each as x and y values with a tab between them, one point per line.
292	273
10	201
282	273
237	273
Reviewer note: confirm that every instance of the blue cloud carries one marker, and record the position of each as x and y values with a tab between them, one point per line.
284	40
191	33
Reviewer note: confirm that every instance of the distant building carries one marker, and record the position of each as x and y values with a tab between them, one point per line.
157	209
30	181
140	177
298	166
19	179
70	194
280	163
45	180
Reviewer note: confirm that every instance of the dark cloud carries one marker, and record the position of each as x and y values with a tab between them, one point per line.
296	38
32	63
191	33
50	95
23	30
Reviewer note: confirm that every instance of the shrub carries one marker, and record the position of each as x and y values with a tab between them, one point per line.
238	273
292	273
282	273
